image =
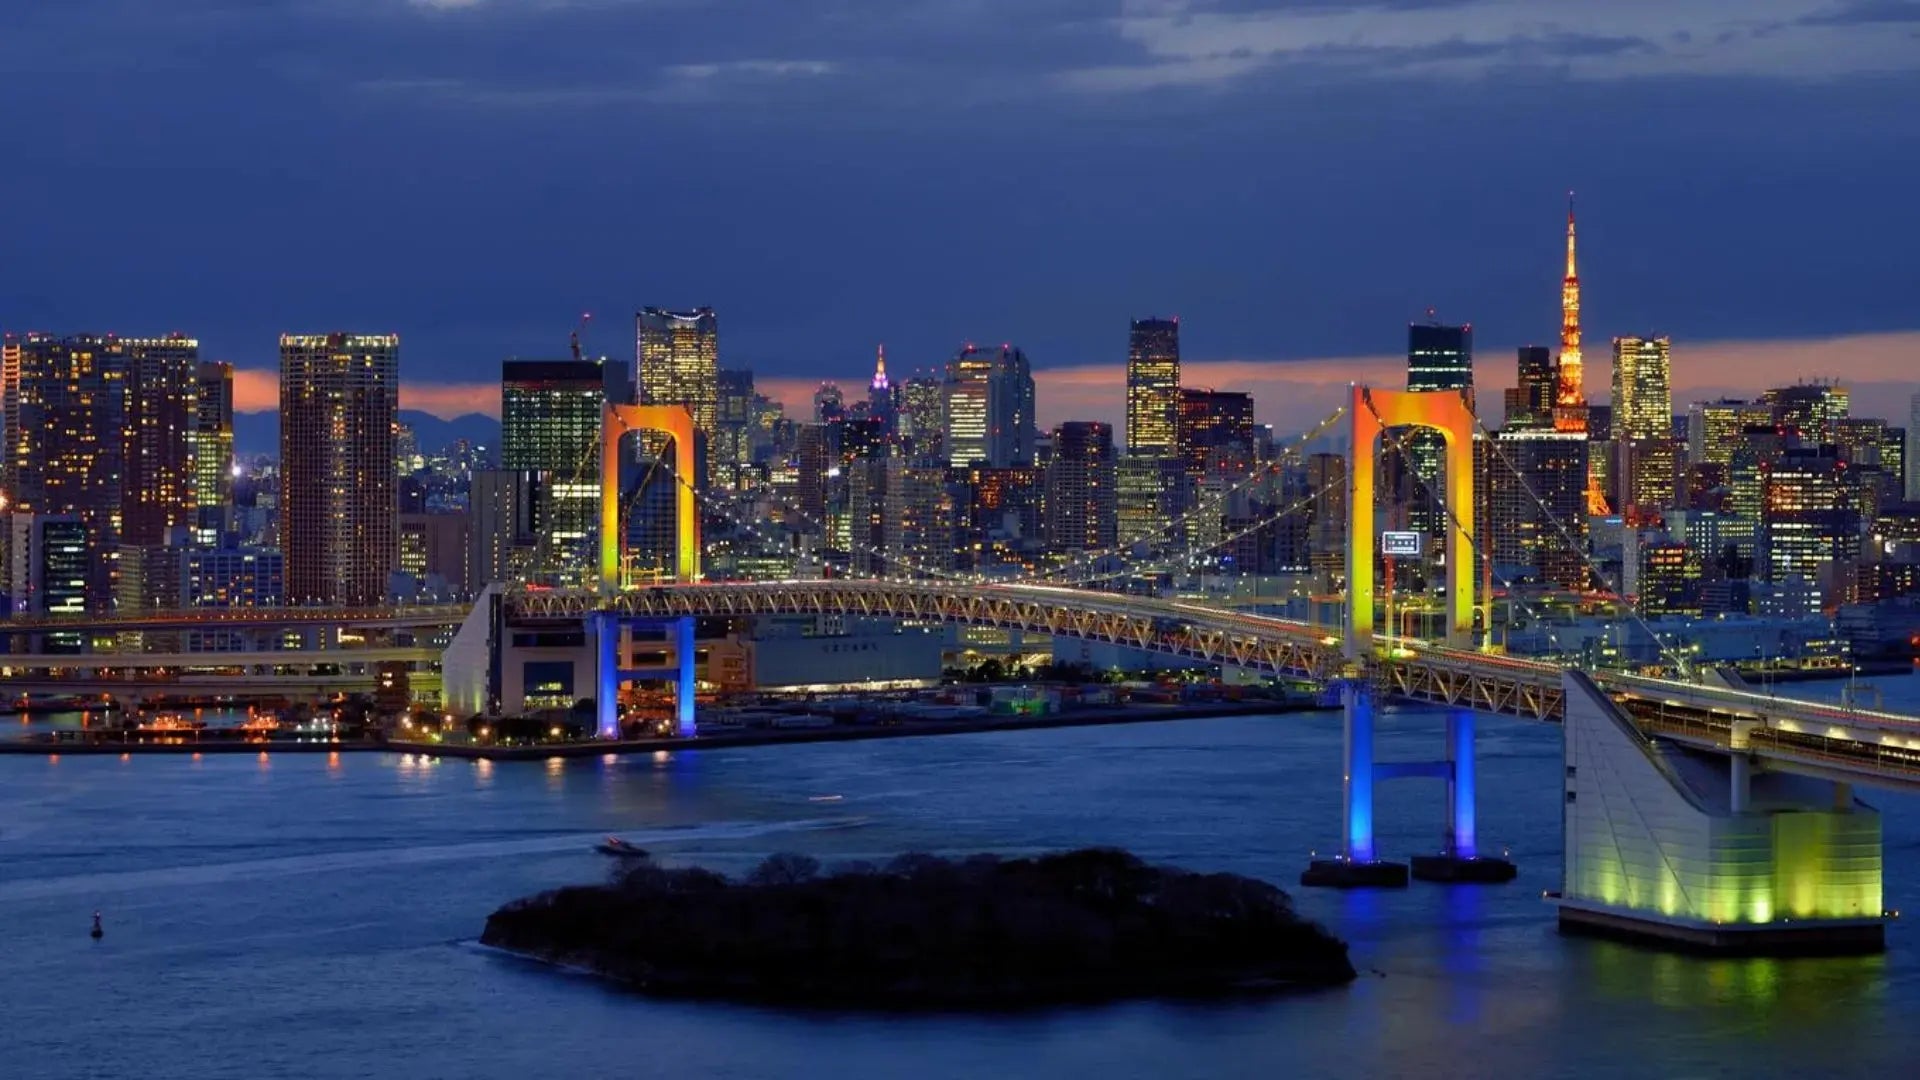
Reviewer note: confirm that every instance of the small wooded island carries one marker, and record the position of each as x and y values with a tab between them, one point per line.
926	931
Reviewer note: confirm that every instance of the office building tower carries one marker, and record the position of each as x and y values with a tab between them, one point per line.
1529	404
1570	400
1439	359
1714	428
1671	577
501	536
923	417
210	446
1808	411
1216	432
902	517
1646	476
65	406
1153	387
989	407
1080	506
1326	488
676	361
158	487
339	394
1534	522
550	414
731	451
829	404
1811	517
433	550
1150	496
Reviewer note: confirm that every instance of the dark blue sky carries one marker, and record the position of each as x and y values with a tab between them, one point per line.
1295	179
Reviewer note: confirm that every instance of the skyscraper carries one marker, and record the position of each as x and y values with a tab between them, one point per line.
65	407
1570	402
1216	429
339	395
882	405
550	428
1539	385
1809	410
1439	359
731	450
1080	509
161	387
989	407
210	445
923	417
677	361
1153	387
1643	422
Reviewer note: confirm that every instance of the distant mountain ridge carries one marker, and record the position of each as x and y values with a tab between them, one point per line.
257	433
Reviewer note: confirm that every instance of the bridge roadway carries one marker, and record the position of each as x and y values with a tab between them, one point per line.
1855	745
404	616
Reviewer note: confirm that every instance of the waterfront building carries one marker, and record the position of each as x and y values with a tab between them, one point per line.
210	447
989	407
161	388
550	414
232	577
1153	387
1080	499
339	395
64	401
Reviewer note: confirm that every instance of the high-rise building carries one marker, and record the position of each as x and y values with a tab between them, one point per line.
1531	403
501	540
902	516
1439	358
883	404
65	406
158	488
210	445
1714	428
1153	387
1811	516
1150	496
989	407
1643	423
1809	410
730	452
923	417
677	361
1326	484
1080	506
550	412
1216	431
1570	400
339	395
1535	520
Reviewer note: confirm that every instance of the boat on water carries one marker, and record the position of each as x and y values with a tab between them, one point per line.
615	846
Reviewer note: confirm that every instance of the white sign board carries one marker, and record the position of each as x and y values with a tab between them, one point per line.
1399	543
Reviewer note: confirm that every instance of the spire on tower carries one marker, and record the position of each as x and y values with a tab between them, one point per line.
1573	274
880	370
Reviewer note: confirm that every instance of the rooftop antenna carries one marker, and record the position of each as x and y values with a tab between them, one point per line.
573	339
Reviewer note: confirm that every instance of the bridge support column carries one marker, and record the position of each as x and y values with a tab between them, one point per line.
1461	861
1356	866
684	660
606	675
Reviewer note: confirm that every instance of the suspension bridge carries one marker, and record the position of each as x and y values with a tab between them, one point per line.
1711	814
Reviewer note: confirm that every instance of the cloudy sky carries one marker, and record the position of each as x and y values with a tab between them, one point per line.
1296	179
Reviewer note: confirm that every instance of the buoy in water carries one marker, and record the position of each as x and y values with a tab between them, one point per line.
96	933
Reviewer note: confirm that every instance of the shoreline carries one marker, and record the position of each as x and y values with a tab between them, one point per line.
1128	714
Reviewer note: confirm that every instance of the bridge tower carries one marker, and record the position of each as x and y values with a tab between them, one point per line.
1370	413
616	421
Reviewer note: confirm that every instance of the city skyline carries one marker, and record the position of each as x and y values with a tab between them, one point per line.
827	189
